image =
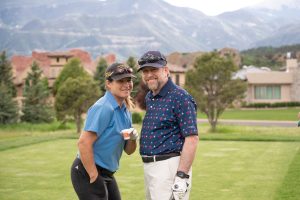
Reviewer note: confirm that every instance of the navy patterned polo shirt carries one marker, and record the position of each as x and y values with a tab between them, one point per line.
171	115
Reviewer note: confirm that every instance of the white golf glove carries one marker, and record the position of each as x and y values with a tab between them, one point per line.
133	134
179	188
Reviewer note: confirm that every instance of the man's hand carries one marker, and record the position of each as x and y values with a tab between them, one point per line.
179	188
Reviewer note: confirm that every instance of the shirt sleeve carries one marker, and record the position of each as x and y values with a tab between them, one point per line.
98	118
187	116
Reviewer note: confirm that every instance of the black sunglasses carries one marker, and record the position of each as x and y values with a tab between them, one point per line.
121	69
150	58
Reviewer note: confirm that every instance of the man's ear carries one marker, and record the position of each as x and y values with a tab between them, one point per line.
166	69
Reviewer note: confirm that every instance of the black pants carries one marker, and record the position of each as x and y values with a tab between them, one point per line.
104	187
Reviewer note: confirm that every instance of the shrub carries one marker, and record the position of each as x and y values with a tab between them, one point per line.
136	118
272	105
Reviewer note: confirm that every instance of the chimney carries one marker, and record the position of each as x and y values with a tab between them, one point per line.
291	63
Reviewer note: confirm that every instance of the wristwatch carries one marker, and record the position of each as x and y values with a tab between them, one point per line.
181	174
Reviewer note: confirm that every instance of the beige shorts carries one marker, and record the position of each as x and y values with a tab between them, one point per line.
159	178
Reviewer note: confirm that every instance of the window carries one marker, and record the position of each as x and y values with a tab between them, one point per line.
57	59
267	92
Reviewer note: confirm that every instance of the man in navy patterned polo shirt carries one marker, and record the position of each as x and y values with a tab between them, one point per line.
169	135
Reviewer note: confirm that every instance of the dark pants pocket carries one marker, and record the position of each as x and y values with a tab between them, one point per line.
82	186
98	187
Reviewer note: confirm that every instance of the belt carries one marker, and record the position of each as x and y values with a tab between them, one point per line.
155	158
104	171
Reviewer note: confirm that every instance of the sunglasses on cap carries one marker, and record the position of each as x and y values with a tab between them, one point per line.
121	69
150	58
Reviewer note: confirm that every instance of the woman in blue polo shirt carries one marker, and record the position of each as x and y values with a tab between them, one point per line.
100	144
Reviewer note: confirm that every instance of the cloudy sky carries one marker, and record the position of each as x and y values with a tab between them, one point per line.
214	7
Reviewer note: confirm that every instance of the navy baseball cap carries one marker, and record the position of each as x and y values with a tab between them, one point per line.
152	59
118	71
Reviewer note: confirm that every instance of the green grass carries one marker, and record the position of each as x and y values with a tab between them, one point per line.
236	162
280	114
222	170
42	127
13	136
289	188
249	133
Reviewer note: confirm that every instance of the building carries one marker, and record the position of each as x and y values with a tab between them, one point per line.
179	64
51	63
266	86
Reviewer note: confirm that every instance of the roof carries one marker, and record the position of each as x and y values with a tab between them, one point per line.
241	74
60	54
176	68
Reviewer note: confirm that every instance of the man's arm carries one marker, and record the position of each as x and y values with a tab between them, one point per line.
188	153
85	146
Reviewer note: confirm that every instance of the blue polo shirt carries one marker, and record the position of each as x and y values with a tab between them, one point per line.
170	117
107	119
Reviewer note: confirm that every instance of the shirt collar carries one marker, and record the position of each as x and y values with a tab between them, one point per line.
165	89
113	101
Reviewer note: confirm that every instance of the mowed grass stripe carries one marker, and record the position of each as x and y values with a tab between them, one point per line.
38	171
290	187
241	170
222	170
277	114
17	139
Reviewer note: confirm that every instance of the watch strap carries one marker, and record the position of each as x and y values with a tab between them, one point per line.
182	174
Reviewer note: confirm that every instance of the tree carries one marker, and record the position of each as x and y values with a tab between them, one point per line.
74	97
212	86
36	106
100	74
6	74
131	62
8	106
72	69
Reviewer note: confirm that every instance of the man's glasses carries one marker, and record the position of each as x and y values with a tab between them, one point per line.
150	58
121	69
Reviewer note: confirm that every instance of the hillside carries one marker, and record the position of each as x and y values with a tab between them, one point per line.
131	27
272	57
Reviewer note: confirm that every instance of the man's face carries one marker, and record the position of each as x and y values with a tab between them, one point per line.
155	78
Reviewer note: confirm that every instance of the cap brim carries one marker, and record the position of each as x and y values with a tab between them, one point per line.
121	76
156	65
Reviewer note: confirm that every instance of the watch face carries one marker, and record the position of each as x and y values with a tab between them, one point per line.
182	174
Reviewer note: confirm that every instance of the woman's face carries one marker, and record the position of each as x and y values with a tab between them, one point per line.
121	89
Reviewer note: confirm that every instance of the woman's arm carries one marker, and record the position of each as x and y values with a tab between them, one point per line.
85	146
130	146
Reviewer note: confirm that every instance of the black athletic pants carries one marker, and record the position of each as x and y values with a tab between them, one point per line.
104	187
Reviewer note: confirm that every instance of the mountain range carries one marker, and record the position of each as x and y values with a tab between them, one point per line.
131	27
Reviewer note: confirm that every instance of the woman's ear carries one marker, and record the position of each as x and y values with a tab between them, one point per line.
107	84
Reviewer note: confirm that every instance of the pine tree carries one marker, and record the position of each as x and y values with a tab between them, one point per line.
36	105
6	74
8	106
100	74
